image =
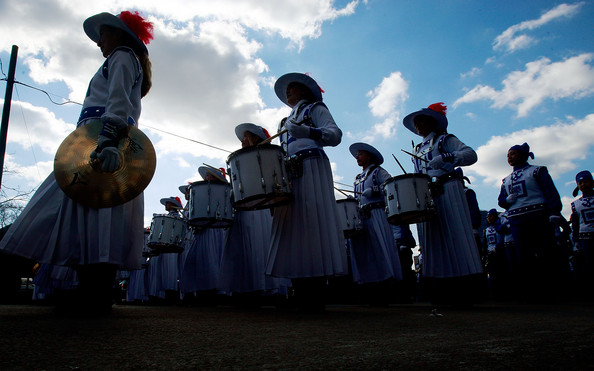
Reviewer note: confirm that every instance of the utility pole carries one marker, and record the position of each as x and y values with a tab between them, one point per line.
6	110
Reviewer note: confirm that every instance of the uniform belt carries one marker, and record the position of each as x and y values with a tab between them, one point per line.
525	209
447	177
307	153
586	236
372	205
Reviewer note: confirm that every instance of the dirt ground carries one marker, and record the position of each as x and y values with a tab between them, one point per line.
490	336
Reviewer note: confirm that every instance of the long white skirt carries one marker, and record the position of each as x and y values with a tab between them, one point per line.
449	247
136	285
54	229
243	263
307	240
201	261
374	254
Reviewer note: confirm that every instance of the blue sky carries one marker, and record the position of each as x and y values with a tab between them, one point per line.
509	72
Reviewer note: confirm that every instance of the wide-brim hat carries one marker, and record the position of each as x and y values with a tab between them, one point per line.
219	174
436	110
174	200
280	86
183	188
92	27
359	146
259	131
582	175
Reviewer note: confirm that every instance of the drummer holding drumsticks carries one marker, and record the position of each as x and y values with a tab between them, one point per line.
374	255
451	258
243	262
307	242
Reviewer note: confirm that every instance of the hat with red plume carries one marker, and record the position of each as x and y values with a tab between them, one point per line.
257	130
132	23
436	111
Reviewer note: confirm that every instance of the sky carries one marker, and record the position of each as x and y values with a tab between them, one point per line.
509	71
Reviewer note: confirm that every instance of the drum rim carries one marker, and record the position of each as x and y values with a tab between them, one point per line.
287	198
253	148
409	175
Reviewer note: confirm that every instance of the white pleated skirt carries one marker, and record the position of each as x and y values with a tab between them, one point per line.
53	229
243	264
307	240
374	254
201	261
449	247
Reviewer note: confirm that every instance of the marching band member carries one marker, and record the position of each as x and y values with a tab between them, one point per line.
531	199
55	229
167	270
201	260
307	243
243	263
374	255
582	220
450	253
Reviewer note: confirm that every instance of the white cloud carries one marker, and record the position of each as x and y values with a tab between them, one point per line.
386	103
36	126
558	147
541	80
512	39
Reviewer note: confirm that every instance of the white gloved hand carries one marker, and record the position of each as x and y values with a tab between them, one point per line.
109	157
511	199
297	131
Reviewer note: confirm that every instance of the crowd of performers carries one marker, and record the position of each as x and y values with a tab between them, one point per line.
298	241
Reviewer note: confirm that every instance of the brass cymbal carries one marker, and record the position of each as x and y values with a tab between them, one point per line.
82	179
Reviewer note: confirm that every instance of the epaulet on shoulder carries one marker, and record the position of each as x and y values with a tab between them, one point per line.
537	170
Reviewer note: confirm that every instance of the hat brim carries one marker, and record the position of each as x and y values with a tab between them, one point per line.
280	86
252	128
92	27
164	202
359	146
204	170
184	188
409	120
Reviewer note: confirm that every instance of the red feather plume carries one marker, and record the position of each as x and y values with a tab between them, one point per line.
439	107
140	26
266	133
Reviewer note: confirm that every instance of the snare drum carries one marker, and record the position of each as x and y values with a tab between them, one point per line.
259	178
348	215
167	234
210	205
408	200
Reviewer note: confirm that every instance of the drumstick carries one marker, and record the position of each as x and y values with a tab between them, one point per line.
347	190
415	156
267	140
340	190
398	162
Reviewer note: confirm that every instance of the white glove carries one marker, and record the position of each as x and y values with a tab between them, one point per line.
442	162
511	199
297	131
109	157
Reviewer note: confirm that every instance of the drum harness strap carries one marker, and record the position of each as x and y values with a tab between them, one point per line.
294	163
365	210
436	185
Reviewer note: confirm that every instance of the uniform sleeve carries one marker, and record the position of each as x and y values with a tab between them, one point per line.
323	120
551	195
382	176
463	154
501	198
575	224
123	70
